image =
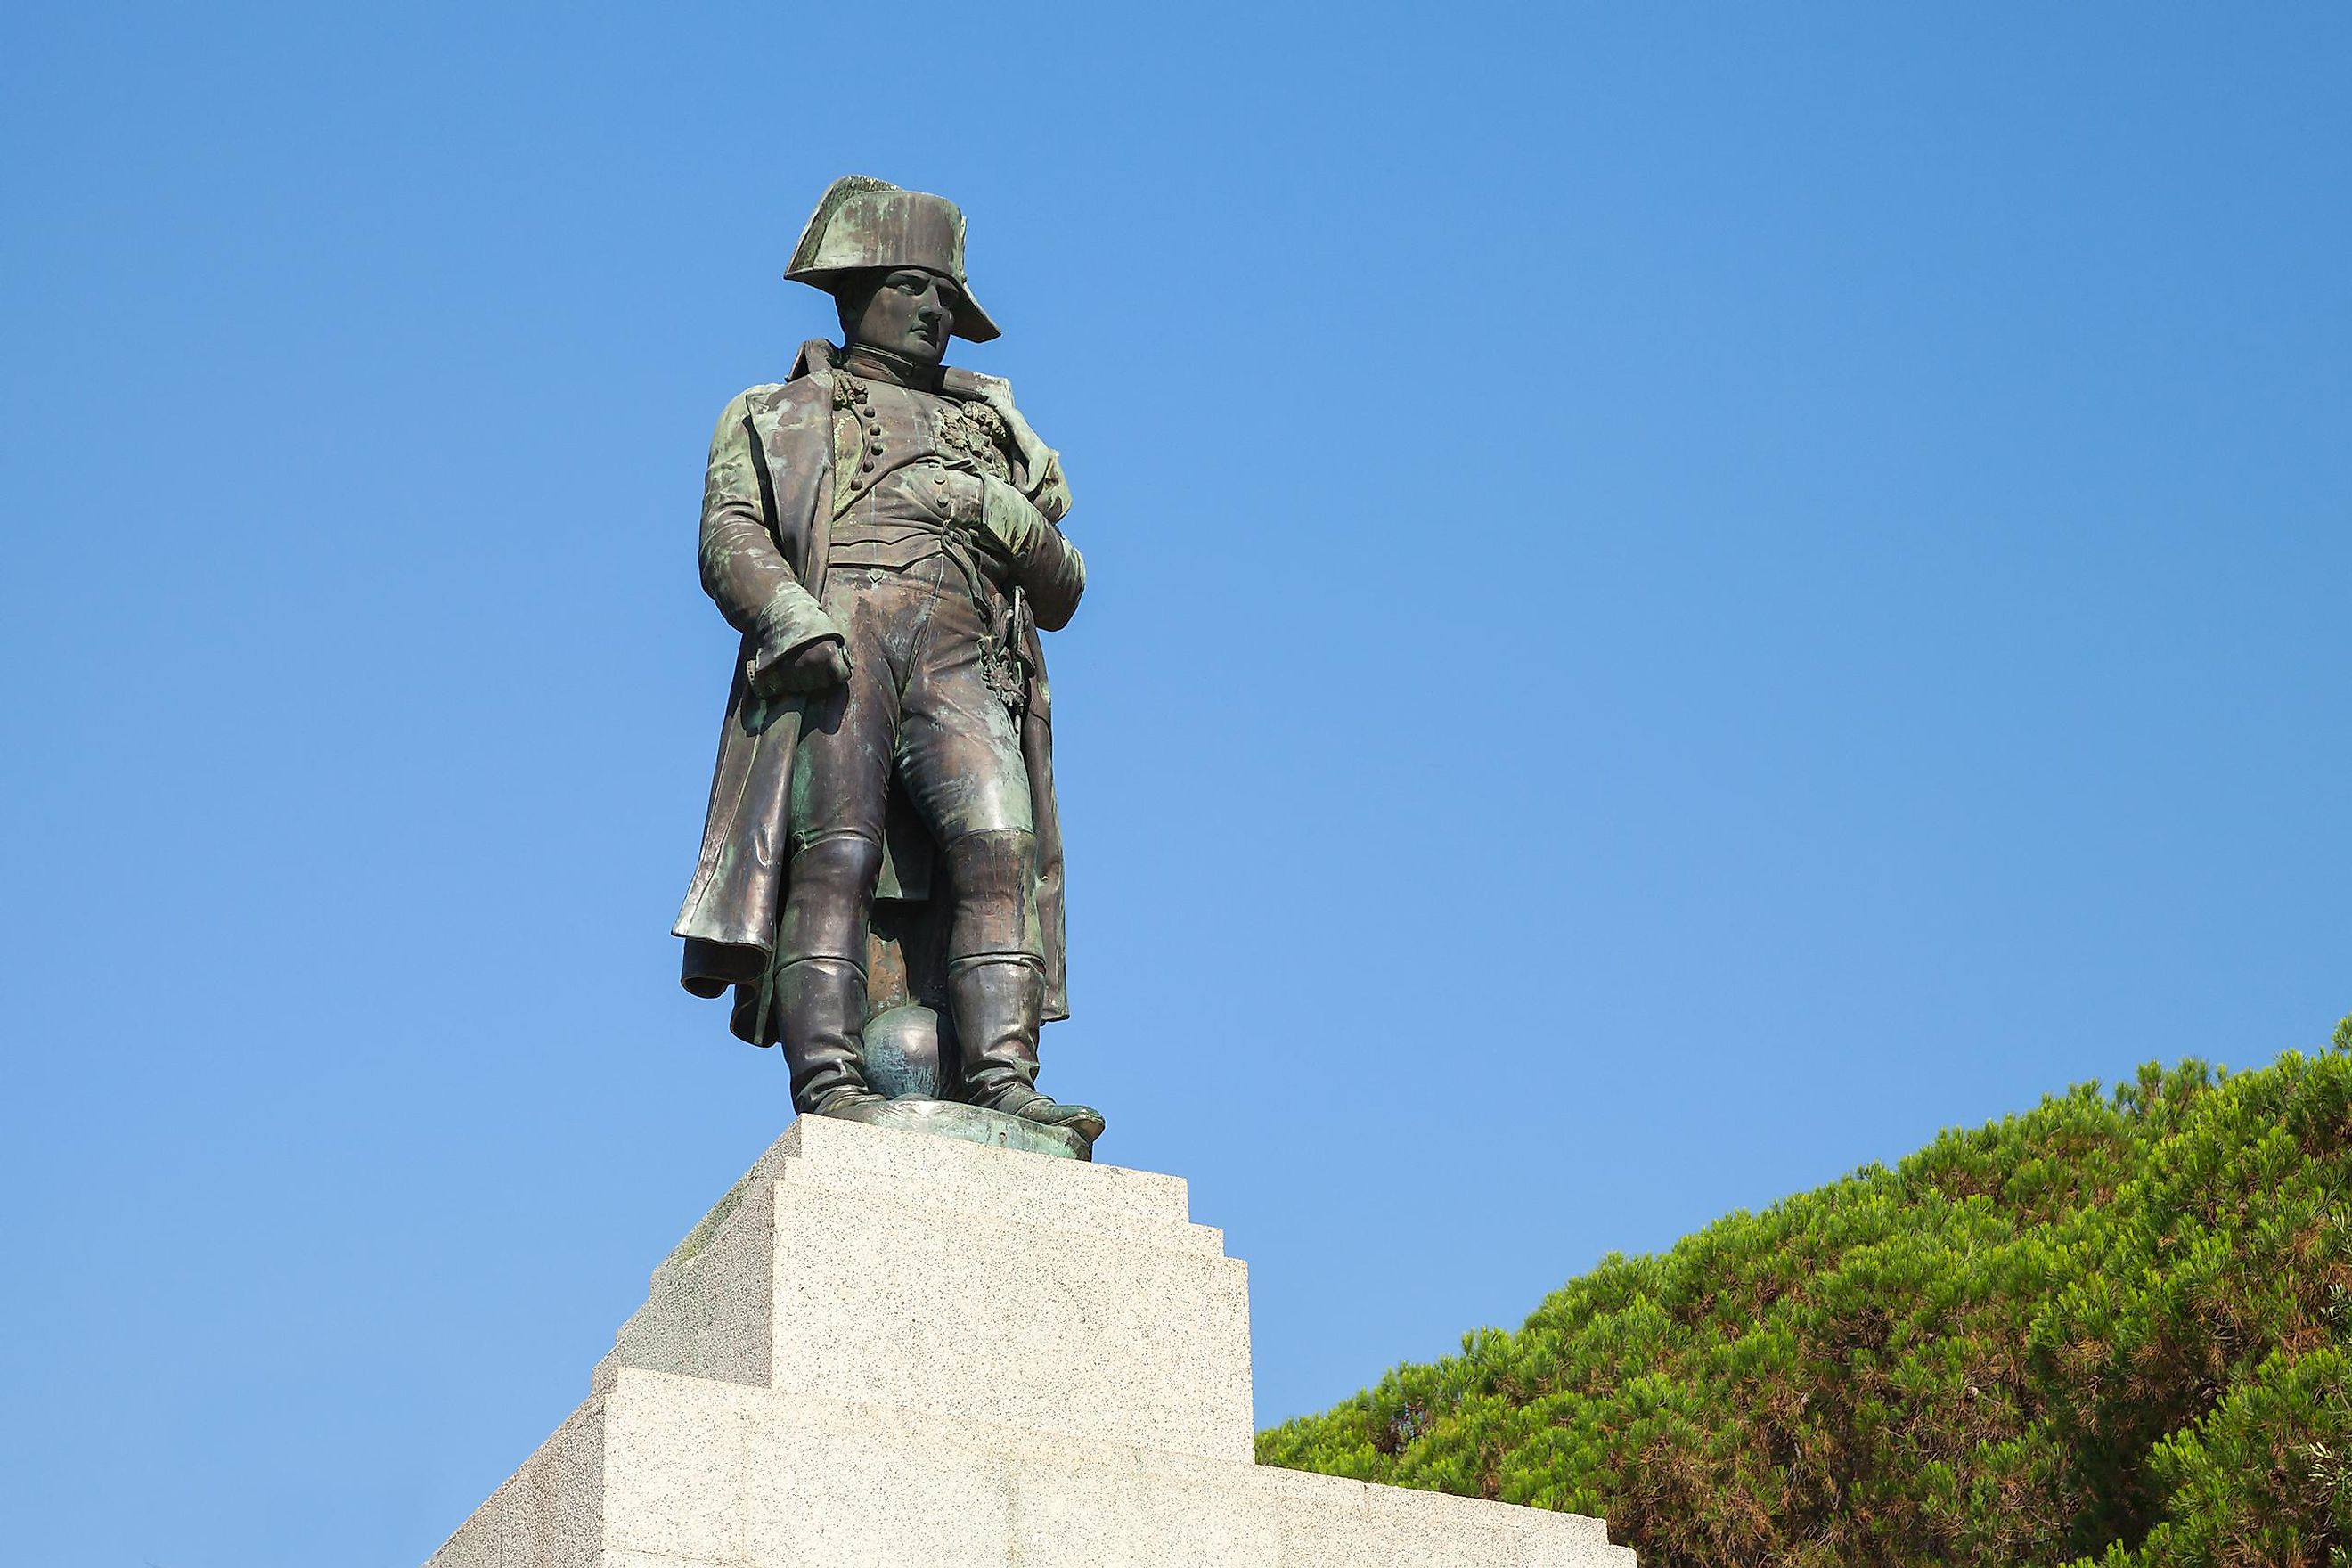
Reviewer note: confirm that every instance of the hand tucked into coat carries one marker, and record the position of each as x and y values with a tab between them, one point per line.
1044	561
1015	525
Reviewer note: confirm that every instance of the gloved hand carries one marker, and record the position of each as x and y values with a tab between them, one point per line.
1009	518
814	667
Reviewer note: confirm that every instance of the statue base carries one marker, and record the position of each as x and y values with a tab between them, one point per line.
953	1119
883	1350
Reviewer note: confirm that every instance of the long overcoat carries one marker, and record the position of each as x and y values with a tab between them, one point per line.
776	479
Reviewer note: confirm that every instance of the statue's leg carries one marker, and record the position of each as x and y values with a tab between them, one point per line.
959	757
821	976
996	974
840	783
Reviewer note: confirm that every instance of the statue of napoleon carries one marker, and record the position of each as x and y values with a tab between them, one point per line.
880	883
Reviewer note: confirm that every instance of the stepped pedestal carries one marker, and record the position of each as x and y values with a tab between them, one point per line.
886	1350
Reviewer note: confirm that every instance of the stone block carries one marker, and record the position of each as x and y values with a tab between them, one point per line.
883	1266
885	1350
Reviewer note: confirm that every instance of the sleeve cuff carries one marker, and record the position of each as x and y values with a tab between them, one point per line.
788	623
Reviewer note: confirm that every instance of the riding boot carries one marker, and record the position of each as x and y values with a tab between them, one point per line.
821	1004
998	1000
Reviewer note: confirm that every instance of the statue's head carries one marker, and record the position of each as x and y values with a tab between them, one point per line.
893	259
906	311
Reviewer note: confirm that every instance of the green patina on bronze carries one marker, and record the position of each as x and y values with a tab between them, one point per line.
864	223
883	837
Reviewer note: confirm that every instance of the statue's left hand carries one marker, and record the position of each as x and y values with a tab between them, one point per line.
1010	519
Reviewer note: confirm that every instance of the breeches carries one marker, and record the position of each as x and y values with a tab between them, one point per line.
917	707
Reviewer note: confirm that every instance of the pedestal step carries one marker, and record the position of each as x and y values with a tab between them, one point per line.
887	1268
888	1350
661	1471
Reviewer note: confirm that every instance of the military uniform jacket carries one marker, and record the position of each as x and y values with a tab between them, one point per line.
782	461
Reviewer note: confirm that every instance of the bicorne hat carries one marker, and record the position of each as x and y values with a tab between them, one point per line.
864	223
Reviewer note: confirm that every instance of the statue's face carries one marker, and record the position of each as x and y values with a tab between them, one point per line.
909	311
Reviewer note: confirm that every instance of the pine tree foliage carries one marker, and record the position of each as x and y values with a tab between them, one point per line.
2115	1331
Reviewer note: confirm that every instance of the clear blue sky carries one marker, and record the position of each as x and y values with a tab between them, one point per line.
1682	596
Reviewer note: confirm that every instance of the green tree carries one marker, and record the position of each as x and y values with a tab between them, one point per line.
2115	1329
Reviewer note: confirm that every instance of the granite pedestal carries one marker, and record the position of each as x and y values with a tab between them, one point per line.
889	1350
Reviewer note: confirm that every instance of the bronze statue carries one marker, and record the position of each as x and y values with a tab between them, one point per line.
880	883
